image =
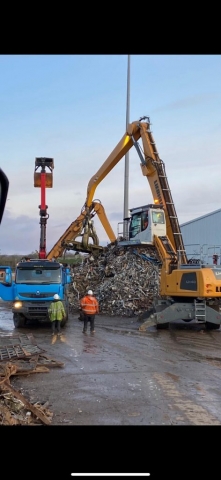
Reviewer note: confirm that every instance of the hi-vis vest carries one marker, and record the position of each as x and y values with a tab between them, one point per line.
89	305
56	311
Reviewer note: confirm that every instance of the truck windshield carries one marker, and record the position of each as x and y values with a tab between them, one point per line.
38	275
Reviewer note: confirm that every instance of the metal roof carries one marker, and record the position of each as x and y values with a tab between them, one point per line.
200	218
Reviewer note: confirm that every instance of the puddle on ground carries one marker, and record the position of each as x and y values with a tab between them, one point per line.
6	318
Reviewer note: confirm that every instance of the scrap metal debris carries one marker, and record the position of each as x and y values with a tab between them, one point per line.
124	280
18	346
15	409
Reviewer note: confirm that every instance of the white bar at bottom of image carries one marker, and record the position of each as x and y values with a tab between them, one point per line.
110	474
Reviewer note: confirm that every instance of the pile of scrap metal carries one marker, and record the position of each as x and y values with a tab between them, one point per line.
124	280
19	355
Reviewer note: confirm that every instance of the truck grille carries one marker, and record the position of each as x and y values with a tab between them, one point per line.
33	295
38	310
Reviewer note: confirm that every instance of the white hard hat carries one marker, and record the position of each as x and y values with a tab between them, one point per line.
90	292
56	296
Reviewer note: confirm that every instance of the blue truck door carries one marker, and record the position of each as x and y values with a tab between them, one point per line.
6	284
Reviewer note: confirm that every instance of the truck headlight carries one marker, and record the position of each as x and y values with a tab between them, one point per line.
17	304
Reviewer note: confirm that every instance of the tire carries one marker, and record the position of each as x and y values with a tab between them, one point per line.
212	326
19	320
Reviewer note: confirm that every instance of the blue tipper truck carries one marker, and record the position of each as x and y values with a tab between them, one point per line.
31	291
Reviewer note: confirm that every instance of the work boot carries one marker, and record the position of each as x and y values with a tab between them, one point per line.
84	331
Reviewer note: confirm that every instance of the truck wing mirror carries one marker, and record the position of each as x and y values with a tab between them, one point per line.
4	185
8	276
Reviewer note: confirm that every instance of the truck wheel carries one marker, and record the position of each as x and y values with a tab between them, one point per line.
212	326
19	320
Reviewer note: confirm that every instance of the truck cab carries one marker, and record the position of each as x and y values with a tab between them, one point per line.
31	292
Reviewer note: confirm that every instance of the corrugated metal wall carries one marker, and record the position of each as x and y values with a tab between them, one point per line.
203	234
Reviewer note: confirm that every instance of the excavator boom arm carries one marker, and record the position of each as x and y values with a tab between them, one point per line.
75	229
152	167
116	155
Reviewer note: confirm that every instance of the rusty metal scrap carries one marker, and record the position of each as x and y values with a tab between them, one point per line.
35	412
15	409
124	280
9	404
18	346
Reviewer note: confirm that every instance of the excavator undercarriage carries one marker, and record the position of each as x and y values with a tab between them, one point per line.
168	310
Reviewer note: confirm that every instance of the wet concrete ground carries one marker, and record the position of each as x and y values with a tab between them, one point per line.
121	376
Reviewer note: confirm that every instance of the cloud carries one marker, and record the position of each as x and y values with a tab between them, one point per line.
19	235
75	114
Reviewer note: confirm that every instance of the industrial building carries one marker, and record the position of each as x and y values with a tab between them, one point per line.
202	237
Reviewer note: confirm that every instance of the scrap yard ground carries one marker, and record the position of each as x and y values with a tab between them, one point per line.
121	376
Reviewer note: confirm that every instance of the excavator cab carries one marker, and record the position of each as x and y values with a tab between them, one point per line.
146	222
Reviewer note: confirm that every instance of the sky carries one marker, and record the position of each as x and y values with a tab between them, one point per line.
72	108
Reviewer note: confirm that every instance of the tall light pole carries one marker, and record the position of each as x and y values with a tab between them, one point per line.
126	168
